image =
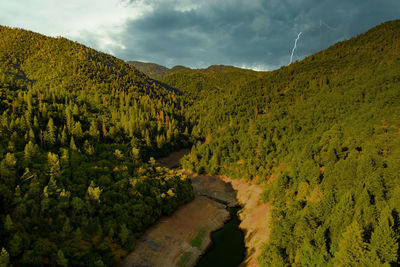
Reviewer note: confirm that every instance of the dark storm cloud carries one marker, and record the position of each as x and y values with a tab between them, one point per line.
246	33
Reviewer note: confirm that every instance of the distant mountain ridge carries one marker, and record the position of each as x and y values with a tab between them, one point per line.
152	70
158	72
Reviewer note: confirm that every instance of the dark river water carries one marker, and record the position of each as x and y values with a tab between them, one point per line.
228	248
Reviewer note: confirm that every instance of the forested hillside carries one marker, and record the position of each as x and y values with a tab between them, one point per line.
79	131
152	70
324	134
197	83
77	128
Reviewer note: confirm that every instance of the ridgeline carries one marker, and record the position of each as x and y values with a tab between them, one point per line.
78	126
323	133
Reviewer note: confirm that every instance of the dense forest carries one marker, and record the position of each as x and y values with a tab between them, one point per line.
79	131
152	70
323	134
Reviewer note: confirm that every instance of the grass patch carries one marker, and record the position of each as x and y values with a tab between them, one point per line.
184	259
198	240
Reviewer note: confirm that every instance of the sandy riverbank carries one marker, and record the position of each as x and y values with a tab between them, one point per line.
180	239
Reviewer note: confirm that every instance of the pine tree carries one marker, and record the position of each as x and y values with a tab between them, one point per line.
8	223
31	135
53	164
135	154
75	110
93	131
384	240
64	157
10	160
124	234
352	248
30	151
15	245
61	260
89	149
72	145
36	123
94	192
4	258
64	136
51	132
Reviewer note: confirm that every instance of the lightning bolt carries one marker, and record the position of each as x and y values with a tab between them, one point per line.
294	47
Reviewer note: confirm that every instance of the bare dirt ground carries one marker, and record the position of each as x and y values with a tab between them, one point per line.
180	239
172	160
213	187
254	216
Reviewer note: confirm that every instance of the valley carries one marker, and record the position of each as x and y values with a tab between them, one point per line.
95	168
182	238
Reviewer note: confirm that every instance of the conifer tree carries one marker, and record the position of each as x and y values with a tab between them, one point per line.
352	248
93	131
135	154
10	160
51	132
94	192
30	151
77	130
384	241
4	258
8	223
61	260
72	145
64	136
15	245
53	164
124	234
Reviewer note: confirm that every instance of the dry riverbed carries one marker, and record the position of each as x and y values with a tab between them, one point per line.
254	217
180	239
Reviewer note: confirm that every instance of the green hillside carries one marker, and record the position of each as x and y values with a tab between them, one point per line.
77	128
79	131
197	83
324	133
152	70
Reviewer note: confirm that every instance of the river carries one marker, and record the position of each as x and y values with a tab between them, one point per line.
228	247
206	231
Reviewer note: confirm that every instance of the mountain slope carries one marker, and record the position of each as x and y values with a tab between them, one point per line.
152	70
324	134
76	129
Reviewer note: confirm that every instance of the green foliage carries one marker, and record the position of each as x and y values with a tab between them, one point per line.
8	223
352	248
76	128
384	240
198	239
4	258
323	133
153	70
183	260
61	260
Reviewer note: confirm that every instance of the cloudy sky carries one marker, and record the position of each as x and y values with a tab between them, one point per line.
257	34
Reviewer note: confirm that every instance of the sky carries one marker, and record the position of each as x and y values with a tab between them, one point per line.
255	34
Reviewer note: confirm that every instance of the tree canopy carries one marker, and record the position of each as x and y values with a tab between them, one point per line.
77	128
